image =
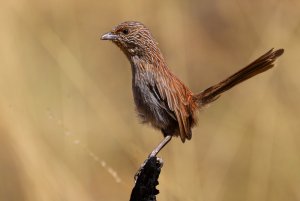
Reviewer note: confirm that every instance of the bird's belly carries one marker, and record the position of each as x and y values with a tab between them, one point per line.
149	108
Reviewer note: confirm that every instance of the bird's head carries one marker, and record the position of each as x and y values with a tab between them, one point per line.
134	39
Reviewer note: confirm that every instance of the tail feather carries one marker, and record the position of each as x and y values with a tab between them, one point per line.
262	64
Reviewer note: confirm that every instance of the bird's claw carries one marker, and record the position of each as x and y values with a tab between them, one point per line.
137	174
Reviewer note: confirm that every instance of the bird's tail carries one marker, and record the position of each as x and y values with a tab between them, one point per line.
263	63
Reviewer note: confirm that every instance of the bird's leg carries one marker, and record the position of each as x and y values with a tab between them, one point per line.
161	145
157	149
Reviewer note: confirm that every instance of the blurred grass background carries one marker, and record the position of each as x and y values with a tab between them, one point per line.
67	122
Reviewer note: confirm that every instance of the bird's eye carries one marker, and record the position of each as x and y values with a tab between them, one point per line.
125	31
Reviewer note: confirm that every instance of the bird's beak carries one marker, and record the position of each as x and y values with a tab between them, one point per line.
109	36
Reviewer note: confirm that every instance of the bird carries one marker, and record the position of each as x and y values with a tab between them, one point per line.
161	98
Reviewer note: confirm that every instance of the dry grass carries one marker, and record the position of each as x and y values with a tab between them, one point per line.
67	121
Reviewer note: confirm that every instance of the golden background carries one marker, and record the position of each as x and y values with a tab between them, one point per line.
68	130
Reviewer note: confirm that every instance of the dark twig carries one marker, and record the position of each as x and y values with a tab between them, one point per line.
147	180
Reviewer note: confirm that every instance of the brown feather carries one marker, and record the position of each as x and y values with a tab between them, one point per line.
161	99
177	97
262	64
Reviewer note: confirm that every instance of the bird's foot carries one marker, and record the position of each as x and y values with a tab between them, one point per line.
137	174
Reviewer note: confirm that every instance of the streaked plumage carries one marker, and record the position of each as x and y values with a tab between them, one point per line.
161	99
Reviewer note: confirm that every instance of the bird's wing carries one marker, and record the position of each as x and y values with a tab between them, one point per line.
176	97
162	101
